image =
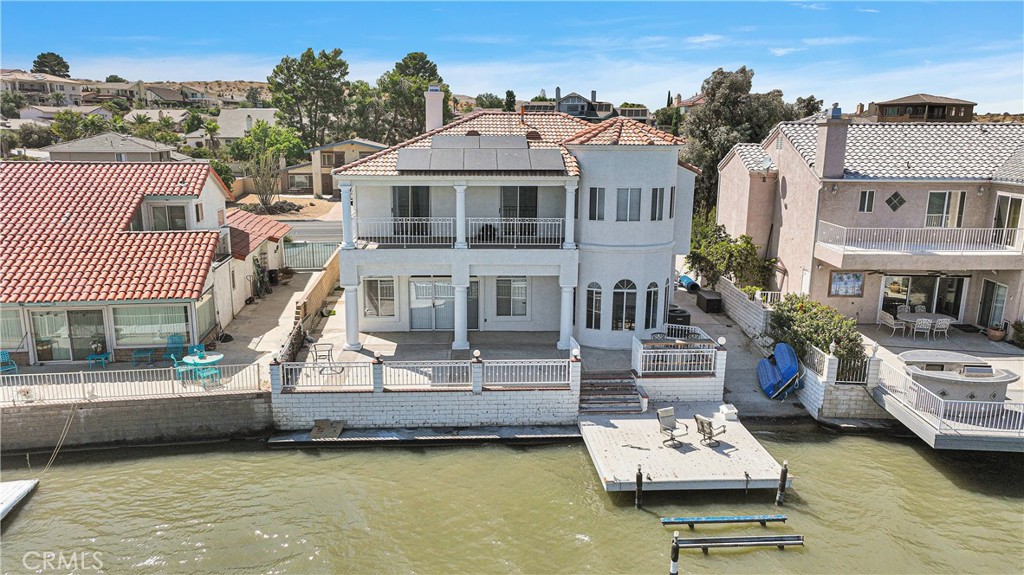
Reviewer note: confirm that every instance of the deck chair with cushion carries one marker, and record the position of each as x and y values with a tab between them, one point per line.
6	363
670	427
706	428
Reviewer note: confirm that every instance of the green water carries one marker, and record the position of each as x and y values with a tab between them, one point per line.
864	504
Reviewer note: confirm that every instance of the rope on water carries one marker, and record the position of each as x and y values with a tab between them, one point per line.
60	440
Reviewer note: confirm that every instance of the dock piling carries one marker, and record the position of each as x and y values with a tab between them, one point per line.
780	496
673	566
639	487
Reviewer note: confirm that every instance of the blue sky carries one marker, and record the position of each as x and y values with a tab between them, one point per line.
846	52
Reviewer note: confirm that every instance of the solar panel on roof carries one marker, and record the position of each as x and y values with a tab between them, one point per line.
503	142
546	159
446	159
509	159
413	159
480	160
460	142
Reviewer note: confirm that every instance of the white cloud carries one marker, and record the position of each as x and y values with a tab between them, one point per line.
783	51
815	6
868	10
834	40
495	39
705	39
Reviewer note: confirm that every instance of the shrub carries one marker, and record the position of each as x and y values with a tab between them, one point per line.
1018	334
802	322
751	291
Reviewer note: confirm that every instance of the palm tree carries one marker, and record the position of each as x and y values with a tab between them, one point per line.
58	99
118	125
93	125
166	124
139	120
211	128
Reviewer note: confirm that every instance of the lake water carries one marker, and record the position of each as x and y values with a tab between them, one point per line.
864	504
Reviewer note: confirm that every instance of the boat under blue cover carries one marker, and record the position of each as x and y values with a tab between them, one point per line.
780	373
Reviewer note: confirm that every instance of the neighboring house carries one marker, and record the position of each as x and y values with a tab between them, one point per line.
40	112
921	108
694	100
591	110
596	265
111	147
198	96
232	124
867	217
107	91
231	100
111	256
257	246
160	96
38	88
177	116
300	179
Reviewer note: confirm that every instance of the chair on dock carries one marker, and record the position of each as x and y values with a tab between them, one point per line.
98	360
670	427
706	427
901	309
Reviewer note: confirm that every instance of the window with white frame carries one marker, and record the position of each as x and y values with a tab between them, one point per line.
199	212
596	204
651	311
672	203
327	159
206	314
300	181
624	306
867	201
168	217
628	205
12	333
120	157
379	297
594	306
657	204
149	325
511	294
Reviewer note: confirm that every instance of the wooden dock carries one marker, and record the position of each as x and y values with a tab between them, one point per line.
426	436
13	492
618	443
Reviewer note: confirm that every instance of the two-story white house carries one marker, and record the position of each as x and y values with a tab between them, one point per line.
519	222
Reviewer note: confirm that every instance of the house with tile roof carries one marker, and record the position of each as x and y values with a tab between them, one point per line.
314	177
518	222
118	257
257	245
867	217
40	88
922	108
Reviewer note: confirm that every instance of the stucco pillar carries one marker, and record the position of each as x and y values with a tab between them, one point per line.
460	223
352	319
461	318
347	237
565	325
570	217
318	178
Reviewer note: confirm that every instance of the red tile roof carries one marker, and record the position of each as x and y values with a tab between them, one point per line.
63	234
621	131
249	230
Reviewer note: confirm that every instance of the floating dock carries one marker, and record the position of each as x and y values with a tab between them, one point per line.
13	492
424	436
618	443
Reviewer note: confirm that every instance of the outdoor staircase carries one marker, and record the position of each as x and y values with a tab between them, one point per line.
609	393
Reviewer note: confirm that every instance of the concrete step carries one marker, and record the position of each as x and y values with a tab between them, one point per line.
617	408
606	399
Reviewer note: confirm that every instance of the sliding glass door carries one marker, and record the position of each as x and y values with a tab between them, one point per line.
993	302
71	335
1008	220
937	294
432	304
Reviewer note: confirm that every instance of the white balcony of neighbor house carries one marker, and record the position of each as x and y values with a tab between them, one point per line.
920	248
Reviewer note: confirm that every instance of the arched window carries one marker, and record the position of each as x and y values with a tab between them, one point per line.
651	311
594	306
624	306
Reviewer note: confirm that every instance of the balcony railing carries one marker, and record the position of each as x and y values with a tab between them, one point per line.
407	231
514	232
918	240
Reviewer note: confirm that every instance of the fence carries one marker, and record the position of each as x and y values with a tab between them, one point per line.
418	374
768	298
694	336
921	239
654	360
817	360
407	231
338	374
308	255
123	384
853	371
514	231
527	373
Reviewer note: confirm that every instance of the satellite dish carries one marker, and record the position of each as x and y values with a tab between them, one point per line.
766	162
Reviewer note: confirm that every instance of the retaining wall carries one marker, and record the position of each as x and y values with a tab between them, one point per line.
751	316
825	399
688	388
130	421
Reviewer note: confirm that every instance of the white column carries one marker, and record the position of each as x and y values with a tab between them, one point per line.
318	177
570	217
461	318
565	326
347	237
352	318
460	221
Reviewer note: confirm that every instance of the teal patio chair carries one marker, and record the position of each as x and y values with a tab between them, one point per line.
182	370
98	360
175	347
6	363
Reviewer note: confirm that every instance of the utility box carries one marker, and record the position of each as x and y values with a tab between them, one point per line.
709	301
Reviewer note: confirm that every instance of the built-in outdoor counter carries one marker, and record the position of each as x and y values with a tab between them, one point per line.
957	376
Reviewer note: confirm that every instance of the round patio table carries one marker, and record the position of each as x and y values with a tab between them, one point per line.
912	317
210	359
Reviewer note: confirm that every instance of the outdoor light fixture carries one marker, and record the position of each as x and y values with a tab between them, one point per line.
576	352
376	355
721	341
476	353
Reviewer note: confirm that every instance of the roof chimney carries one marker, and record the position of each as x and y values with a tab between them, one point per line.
558	92
435	107
830	156
678	100
860	108
248	122
593	95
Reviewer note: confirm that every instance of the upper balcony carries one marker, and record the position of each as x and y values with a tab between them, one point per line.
919	248
442	232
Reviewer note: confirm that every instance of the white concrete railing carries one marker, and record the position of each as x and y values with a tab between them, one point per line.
953	416
125	384
768	298
575	345
514	231
527	373
647	361
347	375
429	374
407	231
915	240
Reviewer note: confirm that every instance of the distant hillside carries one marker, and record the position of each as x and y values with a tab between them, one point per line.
999	118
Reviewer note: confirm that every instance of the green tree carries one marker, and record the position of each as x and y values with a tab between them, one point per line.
263	138
488	100
262	169
254	96
365	114
211	128
35	136
58	98
94	125
668	102
804	107
714	254
10	103
541	98
667	116
402	90
510	101
166	123
51	63
117	124
117	106
9	140
310	93
223	170
193	122
802	322
67	125
115	78
200	153
139	120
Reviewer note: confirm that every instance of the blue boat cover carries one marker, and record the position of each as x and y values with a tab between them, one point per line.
779	378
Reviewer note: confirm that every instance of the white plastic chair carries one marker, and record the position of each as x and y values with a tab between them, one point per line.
923	326
942	326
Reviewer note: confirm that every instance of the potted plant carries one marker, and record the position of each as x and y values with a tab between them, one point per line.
286	274
996	332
